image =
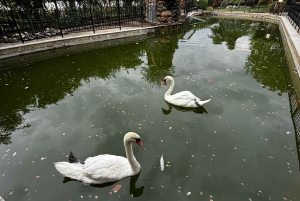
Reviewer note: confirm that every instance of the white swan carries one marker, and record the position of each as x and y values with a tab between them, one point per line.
182	99
103	168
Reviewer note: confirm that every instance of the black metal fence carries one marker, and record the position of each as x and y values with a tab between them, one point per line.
294	15
29	24
190	6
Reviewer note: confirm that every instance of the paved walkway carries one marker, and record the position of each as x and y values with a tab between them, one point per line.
67	36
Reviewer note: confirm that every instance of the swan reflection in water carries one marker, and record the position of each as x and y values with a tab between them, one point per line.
135	192
198	110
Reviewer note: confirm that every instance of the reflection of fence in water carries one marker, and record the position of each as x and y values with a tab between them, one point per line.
295	114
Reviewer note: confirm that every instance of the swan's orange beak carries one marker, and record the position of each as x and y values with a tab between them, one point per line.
139	143
164	82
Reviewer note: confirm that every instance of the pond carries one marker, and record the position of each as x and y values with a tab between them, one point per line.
241	146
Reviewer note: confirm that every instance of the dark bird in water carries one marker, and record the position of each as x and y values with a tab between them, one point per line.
74	159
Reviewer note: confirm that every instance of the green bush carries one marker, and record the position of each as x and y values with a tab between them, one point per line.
202	4
262	2
243	2
210	8
271	6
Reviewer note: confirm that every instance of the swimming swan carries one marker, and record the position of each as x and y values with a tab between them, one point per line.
103	168
182	99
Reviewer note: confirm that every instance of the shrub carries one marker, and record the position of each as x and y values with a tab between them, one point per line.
230	2
210	8
262	2
271	6
202	4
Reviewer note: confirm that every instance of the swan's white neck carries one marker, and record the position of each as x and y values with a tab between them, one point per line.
131	159
171	87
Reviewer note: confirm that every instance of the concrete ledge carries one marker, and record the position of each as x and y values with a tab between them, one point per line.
81	38
293	40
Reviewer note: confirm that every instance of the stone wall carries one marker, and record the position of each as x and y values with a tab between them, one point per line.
167	11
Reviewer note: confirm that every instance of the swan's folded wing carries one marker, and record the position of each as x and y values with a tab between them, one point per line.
184	98
106	167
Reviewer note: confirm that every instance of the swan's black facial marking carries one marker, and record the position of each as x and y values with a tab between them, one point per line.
138	141
164	82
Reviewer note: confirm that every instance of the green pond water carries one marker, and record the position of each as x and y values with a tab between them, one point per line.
241	146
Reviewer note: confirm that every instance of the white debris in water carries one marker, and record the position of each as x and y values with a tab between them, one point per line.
188	193
162	163
229	71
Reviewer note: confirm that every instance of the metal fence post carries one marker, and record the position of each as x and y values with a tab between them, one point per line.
119	14
92	19
10	9
142	15
57	17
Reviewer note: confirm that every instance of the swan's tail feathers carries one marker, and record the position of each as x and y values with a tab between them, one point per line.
74	159
71	170
201	103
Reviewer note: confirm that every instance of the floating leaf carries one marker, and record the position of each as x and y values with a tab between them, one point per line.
116	188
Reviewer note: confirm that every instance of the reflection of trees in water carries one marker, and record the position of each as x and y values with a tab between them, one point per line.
46	82
160	52
267	61
49	81
229	30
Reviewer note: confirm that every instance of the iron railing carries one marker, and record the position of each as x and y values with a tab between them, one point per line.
29	24
190	6
294	15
